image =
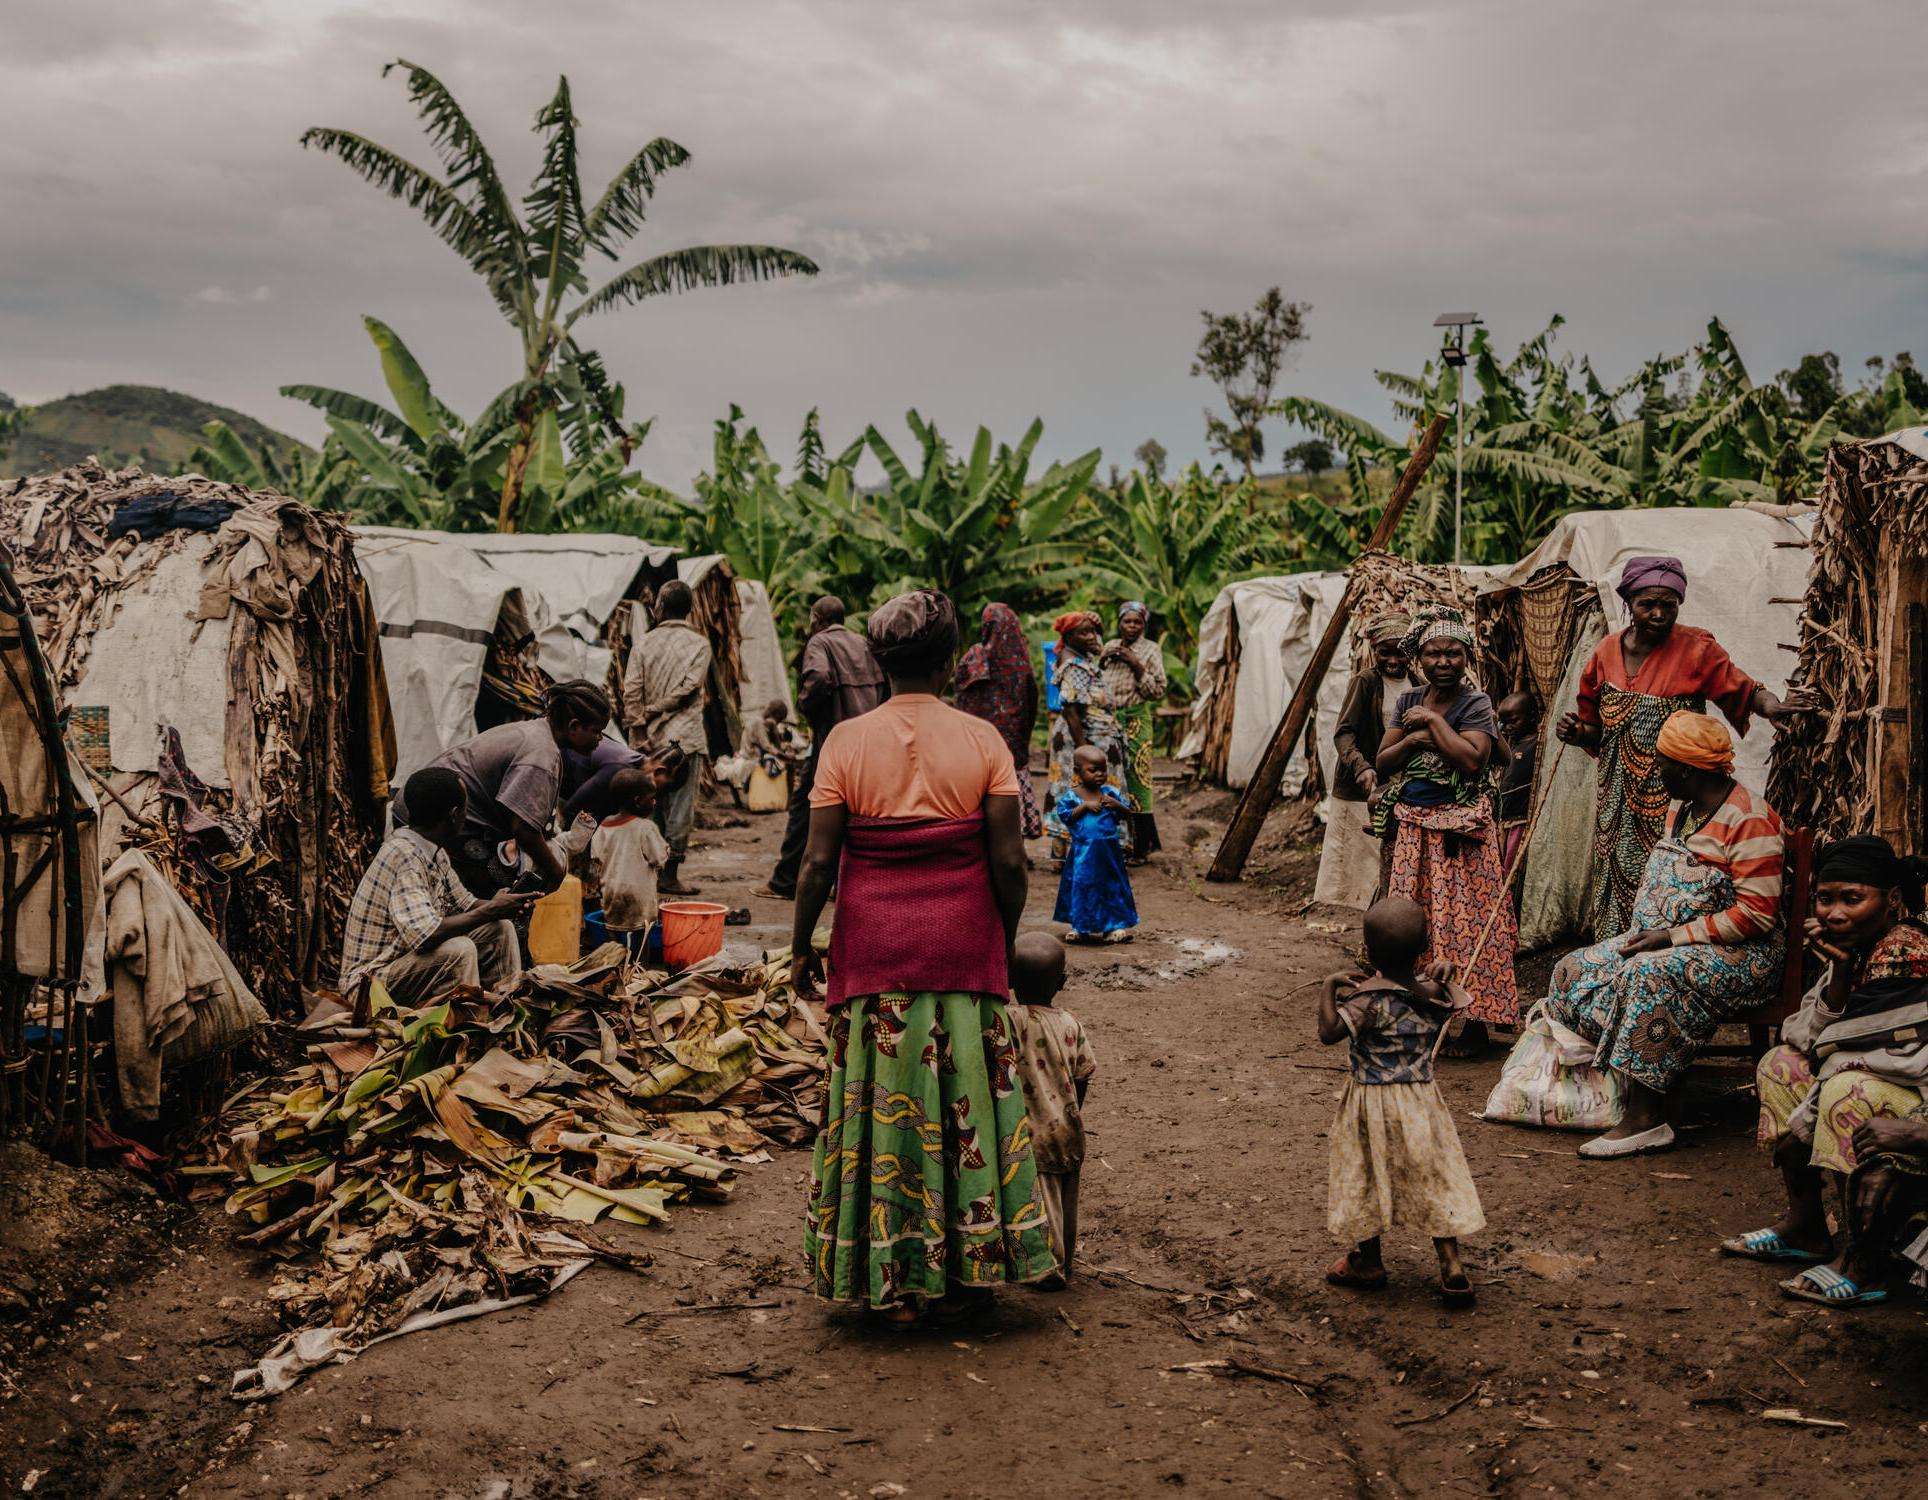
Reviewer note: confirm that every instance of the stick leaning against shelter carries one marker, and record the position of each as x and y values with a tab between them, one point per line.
1256	800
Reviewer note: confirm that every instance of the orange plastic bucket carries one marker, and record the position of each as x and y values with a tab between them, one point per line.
692	931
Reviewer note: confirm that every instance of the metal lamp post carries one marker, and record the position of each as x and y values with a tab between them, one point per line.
1455	355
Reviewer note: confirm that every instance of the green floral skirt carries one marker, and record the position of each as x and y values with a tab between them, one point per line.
923	1177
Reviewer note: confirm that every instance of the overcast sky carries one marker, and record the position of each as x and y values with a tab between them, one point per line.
1020	208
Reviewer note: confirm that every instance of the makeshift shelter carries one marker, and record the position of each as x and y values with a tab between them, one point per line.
1746	573
583	579
476	625
49	888
1859	764
459	642
216	650
1278	622
766	675
1253	644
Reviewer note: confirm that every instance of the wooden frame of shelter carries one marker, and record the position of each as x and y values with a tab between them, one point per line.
45	1089
1859	763
283	683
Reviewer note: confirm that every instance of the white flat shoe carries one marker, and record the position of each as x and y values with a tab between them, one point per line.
1602	1148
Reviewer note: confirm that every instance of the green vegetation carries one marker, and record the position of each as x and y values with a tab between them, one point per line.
563	412
1545	436
1243	354
124	424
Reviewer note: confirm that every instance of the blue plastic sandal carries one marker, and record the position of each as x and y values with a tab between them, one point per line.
1829	1287
1767	1244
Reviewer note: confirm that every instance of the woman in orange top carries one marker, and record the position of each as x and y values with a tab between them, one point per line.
1638	678
923	1184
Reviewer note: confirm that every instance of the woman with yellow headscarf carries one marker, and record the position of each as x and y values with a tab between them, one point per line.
1705	943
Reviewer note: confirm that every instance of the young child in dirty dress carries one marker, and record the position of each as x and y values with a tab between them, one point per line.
1055	1065
1395	1158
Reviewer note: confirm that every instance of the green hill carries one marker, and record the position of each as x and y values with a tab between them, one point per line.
123	424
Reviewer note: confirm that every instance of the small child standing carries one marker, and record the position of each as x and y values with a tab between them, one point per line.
628	852
1395	1157
1094	890
1055	1066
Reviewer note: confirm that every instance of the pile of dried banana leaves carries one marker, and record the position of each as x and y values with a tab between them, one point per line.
423	1159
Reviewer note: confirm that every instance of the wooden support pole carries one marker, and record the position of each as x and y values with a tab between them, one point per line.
1256	801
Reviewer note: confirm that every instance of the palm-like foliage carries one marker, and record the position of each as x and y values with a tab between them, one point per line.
418	463
979	528
1175	545
563	409
1545	436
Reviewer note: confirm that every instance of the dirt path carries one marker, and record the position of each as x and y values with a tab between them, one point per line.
1611	1347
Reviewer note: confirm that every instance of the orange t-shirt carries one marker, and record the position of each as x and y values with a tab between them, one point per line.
913	757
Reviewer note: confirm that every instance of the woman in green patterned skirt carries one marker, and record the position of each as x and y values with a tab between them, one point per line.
1134	672
923	1183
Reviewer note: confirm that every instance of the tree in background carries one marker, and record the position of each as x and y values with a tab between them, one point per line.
12	418
564	407
1243	354
1152	457
1313	456
1814	385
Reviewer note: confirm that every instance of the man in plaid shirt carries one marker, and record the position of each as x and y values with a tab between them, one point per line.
412	924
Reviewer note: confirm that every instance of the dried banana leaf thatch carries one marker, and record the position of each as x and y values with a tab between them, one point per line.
439	1155
307	708
1873	510
1383	584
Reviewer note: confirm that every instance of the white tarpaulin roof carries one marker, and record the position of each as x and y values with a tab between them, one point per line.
154	665
765	675
437	603
583	575
1280	621
1747	573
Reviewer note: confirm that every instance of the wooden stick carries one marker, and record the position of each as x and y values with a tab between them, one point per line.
1260	792
1519	856
1506	883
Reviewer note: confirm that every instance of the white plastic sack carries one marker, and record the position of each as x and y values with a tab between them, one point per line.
1549	1081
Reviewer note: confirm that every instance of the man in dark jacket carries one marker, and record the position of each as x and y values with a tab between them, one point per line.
837	680
1349	863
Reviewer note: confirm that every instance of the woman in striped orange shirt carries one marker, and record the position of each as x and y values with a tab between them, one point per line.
1706	940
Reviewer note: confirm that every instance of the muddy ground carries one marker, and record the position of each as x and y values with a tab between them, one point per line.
1611	1348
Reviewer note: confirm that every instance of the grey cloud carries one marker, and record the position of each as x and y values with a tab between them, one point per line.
1019	209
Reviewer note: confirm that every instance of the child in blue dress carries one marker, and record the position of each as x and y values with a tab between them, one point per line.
1094	892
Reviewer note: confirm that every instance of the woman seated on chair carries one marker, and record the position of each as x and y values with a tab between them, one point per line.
1842	1096
1705	944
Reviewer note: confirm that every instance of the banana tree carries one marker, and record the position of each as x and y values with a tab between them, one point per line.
533	264
418	463
327	480
1175	544
979	528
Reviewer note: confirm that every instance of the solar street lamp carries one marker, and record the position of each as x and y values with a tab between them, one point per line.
1455	355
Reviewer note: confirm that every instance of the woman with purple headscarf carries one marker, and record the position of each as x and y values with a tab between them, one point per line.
1637	679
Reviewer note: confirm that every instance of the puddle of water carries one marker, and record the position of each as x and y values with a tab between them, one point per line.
1189	957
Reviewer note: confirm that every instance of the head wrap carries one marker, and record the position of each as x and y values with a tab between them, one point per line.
1443	627
1864	859
1698	741
913	632
1390	629
1072	619
1001	656
1133	607
1652	573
